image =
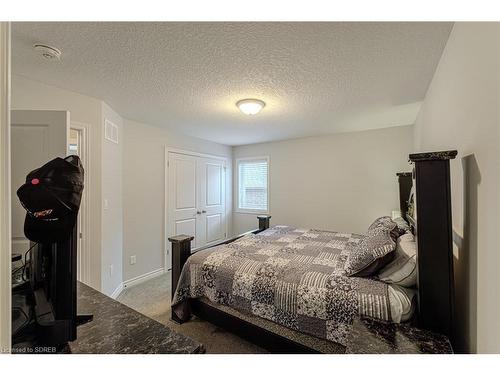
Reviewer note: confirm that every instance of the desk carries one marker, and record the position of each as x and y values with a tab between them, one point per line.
117	328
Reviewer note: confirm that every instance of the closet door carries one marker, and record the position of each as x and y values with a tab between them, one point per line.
212	202
182	195
196	199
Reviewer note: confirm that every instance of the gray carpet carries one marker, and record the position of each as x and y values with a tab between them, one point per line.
152	298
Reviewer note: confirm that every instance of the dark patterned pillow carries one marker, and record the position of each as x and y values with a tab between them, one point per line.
385	222
374	252
402	224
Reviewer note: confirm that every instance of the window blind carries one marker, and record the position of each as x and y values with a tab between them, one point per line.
252	184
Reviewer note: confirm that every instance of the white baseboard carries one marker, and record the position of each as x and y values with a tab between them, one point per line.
117	291
142	278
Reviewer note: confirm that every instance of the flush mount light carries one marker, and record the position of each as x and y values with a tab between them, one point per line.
47	52
250	106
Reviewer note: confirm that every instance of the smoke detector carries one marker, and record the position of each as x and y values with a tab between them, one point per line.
47	52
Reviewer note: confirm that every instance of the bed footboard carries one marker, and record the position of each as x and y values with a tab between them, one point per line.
181	250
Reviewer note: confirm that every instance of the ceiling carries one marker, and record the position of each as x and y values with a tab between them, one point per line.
316	78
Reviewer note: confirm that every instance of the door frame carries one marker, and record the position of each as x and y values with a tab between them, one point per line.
85	208
5	204
166	226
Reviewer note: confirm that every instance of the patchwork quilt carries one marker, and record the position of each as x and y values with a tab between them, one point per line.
293	277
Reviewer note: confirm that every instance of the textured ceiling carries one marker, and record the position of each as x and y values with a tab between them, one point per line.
316	78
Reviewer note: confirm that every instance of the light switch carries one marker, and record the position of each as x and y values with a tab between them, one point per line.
106	204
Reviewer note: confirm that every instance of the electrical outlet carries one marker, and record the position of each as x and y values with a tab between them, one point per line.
111	270
133	259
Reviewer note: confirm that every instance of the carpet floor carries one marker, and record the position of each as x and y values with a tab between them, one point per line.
152	298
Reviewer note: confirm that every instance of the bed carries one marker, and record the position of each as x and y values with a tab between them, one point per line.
291	276
295	278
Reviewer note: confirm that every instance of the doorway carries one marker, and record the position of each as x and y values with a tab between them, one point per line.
78	145
36	137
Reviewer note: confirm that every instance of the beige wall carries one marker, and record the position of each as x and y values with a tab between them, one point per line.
130	176
336	182
5	218
461	111
29	94
112	216
143	191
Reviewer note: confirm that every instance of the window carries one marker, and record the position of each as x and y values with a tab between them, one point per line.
253	184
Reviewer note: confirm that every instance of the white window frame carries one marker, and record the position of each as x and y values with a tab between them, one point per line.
237	175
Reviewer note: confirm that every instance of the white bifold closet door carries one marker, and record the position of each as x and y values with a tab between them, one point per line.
196	198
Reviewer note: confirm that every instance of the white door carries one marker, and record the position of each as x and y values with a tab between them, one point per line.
183	196
196	199
36	138
212	223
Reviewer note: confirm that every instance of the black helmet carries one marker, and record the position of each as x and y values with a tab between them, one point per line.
51	197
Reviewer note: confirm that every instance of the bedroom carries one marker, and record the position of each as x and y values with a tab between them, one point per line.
323	138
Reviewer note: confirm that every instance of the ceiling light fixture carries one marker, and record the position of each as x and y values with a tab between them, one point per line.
250	106
47	52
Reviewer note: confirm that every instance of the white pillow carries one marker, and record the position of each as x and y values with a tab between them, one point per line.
403	269
402	303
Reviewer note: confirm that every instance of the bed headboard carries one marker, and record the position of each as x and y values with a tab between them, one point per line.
432	226
405	184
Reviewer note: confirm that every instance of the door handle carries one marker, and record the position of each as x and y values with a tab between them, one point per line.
198	212
203	212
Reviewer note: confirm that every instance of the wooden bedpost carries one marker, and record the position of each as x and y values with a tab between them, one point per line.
434	236
181	250
264	221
